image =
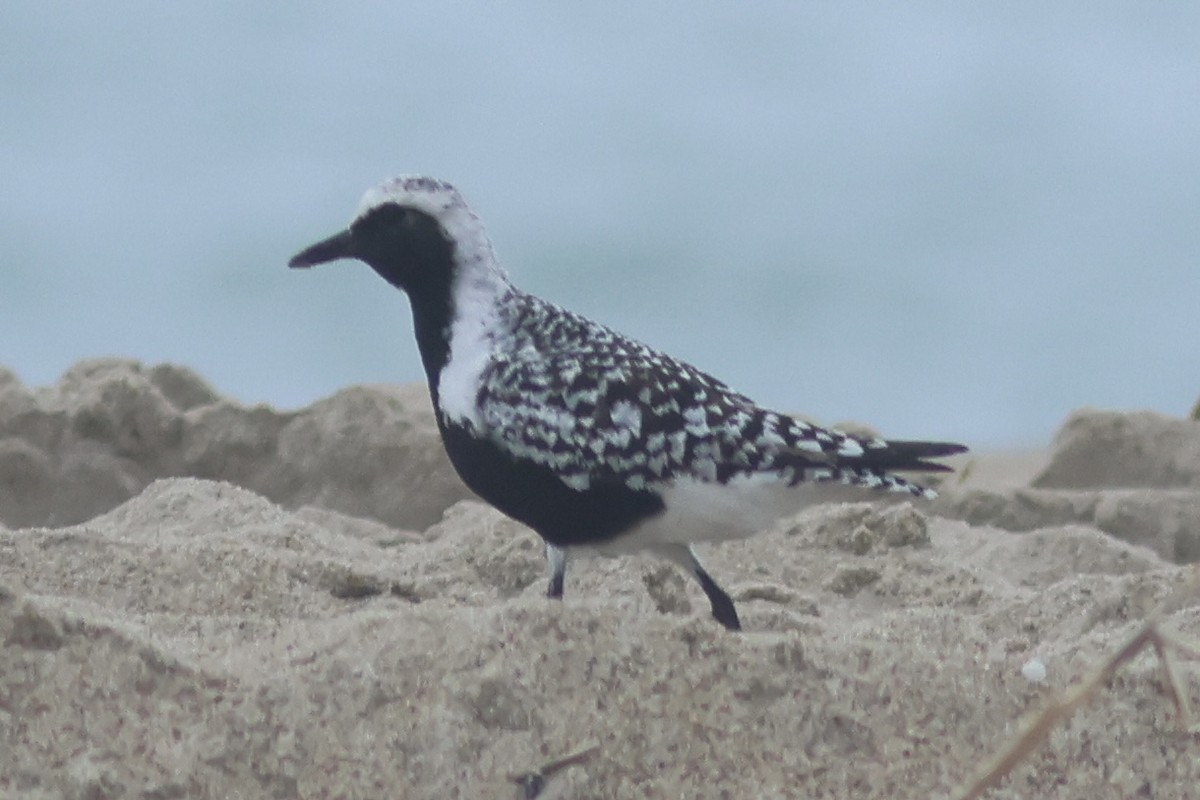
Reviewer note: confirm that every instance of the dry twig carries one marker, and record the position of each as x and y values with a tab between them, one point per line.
531	784
1039	727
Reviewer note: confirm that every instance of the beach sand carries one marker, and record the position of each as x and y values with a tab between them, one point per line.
204	600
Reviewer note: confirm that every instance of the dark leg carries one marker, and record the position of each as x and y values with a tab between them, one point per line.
556	557
722	604
723	610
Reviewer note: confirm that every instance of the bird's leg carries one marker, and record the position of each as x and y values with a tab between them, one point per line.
723	610
556	557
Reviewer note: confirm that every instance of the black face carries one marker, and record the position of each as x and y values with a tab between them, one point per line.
408	249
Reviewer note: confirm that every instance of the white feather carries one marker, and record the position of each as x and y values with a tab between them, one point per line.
700	511
472	347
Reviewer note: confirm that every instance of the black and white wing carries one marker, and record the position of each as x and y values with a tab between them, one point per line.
629	415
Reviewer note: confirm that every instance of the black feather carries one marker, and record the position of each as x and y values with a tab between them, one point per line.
908	456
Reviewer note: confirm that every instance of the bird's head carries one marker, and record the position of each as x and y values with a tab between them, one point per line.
413	230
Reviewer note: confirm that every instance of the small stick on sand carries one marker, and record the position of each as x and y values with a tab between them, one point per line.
1038	728
533	783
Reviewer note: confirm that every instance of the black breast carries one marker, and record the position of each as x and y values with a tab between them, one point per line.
532	494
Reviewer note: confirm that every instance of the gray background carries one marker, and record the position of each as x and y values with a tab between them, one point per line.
944	219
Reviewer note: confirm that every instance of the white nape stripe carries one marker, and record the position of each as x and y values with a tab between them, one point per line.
474	335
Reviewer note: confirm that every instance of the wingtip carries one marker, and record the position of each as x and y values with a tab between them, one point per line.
913	456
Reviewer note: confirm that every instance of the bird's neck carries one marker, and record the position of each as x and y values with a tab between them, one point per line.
460	319
431	323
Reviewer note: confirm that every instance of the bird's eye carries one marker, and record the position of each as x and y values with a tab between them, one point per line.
395	217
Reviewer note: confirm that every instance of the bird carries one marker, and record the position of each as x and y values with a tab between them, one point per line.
594	440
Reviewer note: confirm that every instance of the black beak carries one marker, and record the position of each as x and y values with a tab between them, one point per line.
340	245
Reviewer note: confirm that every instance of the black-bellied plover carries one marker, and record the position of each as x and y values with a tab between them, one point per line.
590	438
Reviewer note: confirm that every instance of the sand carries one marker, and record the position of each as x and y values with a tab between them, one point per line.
205	600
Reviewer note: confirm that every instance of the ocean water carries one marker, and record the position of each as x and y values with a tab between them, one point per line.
946	220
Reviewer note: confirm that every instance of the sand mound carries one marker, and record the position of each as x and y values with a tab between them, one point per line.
202	641
1134	476
111	426
1108	449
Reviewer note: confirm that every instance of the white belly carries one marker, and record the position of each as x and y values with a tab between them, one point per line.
707	512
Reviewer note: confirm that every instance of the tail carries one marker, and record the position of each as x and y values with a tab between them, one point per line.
894	455
863	461
873	468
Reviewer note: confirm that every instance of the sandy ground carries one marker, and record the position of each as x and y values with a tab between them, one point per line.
204	600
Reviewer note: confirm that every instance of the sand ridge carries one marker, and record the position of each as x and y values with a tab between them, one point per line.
298	636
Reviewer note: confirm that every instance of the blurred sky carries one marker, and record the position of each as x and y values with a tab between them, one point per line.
945	219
